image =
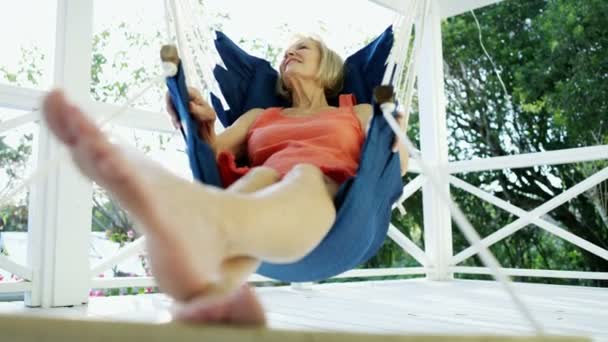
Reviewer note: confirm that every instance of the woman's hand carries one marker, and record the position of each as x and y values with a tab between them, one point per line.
398	146
403	125
202	112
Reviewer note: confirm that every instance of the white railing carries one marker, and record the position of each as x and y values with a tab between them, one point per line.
408	246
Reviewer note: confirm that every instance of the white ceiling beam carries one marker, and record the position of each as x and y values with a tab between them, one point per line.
398	6
131	117
451	8
448	8
20	98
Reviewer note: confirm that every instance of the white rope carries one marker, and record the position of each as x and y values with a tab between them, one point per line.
404	44
192	42
168	20
202	40
483	47
411	71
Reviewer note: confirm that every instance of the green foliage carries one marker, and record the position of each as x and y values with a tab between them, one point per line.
13	159
29	69
553	58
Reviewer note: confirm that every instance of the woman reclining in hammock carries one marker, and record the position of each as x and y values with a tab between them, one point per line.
200	251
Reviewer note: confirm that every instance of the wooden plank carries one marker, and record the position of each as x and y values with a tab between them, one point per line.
30	329
20	98
565	156
7	126
15	286
450	8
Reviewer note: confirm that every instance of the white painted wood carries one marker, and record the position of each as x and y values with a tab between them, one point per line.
550	227
534	273
575	240
15	286
133	117
20	98
378	272
539	211
106	283
303	286
8	125
407	307
121	282
408	246
408	190
434	143
15	268
566	156
412	166
102	282
451	8
60	206
256	278
121	255
399	6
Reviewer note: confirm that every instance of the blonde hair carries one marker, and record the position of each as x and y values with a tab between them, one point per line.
330	74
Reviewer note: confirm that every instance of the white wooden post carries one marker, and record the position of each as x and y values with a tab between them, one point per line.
60	205
434	144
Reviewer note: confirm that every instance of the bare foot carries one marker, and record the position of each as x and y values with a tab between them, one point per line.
241	308
188	249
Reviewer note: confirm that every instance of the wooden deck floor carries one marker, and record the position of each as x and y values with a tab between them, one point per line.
405	307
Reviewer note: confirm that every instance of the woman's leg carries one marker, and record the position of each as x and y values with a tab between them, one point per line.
242	307
194	232
256	179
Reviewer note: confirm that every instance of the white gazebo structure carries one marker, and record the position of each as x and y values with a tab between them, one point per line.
57	277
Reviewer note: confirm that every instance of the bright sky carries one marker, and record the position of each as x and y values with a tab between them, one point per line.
342	24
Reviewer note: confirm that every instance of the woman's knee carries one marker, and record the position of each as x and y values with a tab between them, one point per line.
265	173
304	172
256	179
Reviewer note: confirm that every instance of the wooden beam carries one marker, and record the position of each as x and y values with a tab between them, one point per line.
132	117
451	8
15	286
29	329
448	8
20	98
59	217
521	272
434	143
566	156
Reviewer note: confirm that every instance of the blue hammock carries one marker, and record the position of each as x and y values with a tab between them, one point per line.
363	202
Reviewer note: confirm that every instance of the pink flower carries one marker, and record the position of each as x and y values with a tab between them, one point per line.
130	234
96	293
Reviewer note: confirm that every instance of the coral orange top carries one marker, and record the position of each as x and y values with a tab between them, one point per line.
330	140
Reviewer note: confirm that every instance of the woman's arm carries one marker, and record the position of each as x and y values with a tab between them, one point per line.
232	139
365	114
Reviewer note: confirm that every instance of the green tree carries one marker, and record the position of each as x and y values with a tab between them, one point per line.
14	157
553	59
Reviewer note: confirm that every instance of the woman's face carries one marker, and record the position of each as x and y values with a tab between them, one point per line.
301	60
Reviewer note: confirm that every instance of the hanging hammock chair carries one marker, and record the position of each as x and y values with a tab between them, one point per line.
363	203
